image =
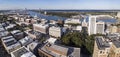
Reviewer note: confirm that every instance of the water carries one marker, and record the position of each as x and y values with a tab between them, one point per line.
112	20
45	16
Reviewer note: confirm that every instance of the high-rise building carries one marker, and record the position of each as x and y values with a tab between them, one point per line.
100	26
92	25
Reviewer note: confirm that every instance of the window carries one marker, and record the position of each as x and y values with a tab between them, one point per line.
100	52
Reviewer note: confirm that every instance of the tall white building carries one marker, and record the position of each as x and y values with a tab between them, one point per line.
55	31
92	25
100	26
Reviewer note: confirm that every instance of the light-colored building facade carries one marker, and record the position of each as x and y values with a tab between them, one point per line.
22	52
92	25
118	14
115	49
100	27
10	44
113	29
101	47
43	28
55	31
74	21
52	50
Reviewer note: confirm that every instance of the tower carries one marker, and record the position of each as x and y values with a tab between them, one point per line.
92	25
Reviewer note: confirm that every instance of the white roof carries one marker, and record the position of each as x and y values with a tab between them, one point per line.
25	40
22	52
9	40
7	37
78	28
32	45
41	25
15	31
10	26
55	28
2	29
4	33
72	21
28	54
52	40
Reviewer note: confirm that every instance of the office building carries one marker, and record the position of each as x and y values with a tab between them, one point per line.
42	28
55	31
101	47
100	27
92	25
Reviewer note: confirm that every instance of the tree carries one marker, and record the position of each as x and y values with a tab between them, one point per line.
80	39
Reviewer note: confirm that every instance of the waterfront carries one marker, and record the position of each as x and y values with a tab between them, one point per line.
32	13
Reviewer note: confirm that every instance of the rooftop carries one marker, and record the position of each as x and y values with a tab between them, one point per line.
116	43
26	41
102	44
57	50
22	52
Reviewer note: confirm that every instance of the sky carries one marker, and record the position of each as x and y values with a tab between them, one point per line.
59	4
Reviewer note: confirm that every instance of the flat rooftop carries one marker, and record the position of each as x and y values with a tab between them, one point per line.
22	52
101	43
116	43
57	50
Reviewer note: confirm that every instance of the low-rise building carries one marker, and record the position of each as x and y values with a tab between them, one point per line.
74	21
22	52
44	21
43	28
31	33
25	41
33	46
10	44
113	29
52	50
4	33
18	34
10	26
